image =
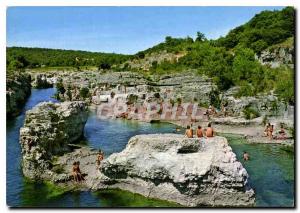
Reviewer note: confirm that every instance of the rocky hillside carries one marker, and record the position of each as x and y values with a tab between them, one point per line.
278	55
18	88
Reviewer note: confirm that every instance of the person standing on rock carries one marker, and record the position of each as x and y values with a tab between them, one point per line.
189	132
209	131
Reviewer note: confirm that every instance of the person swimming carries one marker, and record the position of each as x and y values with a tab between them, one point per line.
189	132
246	156
209	131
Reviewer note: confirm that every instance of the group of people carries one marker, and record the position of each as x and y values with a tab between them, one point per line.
209	132
76	172
270	129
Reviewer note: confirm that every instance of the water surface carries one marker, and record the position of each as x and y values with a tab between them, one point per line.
271	169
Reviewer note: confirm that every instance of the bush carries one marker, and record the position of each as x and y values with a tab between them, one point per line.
84	92
215	99
60	87
250	113
156	95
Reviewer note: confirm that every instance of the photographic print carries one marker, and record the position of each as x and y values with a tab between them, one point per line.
148	107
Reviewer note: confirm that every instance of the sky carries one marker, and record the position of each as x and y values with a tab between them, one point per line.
124	30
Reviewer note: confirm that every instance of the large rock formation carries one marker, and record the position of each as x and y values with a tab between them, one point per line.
48	129
277	56
174	168
18	88
43	81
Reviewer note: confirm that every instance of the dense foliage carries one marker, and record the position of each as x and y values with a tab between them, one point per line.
18	57
229	61
264	29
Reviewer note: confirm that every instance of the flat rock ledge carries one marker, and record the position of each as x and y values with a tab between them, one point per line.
47	131
174	168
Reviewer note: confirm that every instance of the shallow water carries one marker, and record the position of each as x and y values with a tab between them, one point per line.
271	169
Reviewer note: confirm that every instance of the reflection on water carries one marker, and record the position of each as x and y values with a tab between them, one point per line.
270	168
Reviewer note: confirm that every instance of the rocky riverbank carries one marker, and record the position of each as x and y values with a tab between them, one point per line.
18	88
163	166
48	130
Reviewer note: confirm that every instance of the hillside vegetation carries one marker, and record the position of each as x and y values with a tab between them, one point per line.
229	61
20	57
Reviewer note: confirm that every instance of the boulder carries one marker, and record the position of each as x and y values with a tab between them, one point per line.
47	131
43	81
174	168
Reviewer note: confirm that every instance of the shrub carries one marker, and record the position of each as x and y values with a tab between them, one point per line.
250	113
84	92
156	95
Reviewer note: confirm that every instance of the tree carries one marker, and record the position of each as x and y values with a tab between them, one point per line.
200	37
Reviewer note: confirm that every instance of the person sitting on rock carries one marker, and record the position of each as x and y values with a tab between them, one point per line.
282	133
79	172
100	157
246	156
189	132
199	132
209	131
270	132
76	172
266	132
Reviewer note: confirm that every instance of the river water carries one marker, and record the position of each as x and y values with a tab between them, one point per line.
271	169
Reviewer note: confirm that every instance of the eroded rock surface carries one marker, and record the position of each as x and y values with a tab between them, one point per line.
18	88
174	168
47	131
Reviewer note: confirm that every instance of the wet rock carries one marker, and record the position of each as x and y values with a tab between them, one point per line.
47	131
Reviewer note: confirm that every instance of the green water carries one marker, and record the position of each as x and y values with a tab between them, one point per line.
271	171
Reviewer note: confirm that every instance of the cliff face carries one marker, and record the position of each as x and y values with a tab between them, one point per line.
174	168
47	131
18	88
277	56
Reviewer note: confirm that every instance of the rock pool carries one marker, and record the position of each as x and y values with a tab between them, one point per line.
271	169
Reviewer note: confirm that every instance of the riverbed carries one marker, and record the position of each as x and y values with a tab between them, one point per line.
271	169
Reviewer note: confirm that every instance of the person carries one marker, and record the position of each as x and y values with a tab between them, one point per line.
209	131
266	131
246	156
76	172
199	132
282	133
270	131
189	132
100	157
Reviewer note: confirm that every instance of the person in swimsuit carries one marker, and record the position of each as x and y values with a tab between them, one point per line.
100	157
209	131
199	132
189	132
246	156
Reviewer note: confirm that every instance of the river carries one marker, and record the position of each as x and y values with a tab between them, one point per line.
271	169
